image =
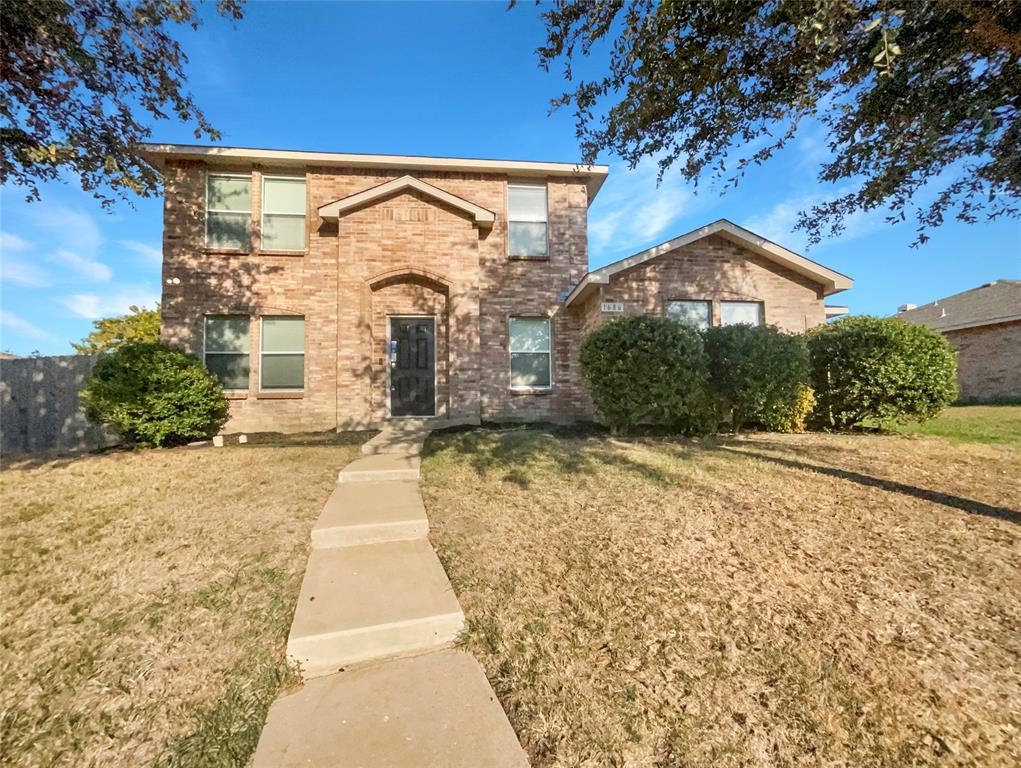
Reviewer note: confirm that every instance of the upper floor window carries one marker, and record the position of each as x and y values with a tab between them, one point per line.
225	349
529	353
228	211
734	312
697	314
282	362
526	221
283	213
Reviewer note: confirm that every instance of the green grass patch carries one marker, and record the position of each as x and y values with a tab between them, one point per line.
990	424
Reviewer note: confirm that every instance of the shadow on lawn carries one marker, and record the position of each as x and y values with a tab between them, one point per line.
518	450
970	506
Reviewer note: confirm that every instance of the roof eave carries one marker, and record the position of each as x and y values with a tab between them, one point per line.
160	154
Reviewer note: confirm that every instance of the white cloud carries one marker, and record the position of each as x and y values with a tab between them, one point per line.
93	306
11	322
143	249
89	268
632	209
71	230
23	273
11	242
777	223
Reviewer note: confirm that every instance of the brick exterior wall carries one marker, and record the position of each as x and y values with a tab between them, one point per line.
988	361
713	269
408	254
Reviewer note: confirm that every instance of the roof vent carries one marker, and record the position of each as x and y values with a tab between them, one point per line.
905	307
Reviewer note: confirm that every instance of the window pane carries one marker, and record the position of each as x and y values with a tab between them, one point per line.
525	239
283	233
693	313
529	334
227	334
232	370
285	196
283	371
526	203
227	193
283	334
734	312
228	230
530	369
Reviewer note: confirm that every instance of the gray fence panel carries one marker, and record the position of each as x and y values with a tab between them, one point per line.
39	408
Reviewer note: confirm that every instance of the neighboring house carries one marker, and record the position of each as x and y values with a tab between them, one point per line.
984	326
338	290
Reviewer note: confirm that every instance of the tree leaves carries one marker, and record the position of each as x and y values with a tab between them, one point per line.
922	98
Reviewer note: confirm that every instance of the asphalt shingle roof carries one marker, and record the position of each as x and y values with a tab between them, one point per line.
995	302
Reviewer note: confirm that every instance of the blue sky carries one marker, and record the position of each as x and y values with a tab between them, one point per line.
458	79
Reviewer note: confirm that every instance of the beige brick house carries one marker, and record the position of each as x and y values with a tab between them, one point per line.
338	290
984	326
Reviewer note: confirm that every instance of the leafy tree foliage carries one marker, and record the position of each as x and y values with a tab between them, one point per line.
910	93
140	325
756	372
154	395
648	371
80	78
882	369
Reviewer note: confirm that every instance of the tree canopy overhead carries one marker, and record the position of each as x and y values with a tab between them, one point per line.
913	94
80	81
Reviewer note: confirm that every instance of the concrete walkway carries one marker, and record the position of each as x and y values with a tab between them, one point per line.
375	596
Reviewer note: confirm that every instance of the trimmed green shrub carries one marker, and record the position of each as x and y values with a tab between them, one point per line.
648	371
790	416
755	371
154	395
883	369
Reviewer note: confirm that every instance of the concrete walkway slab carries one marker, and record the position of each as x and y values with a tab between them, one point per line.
385	466
369	513
431	711
371	601
407	442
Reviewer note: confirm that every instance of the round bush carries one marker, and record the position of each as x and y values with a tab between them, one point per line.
789	416
153	395
881	369
647	371
755	371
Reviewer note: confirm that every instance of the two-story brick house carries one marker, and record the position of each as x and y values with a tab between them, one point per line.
338	290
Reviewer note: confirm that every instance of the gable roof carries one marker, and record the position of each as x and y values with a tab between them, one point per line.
331	211
995	302
159	154
830	281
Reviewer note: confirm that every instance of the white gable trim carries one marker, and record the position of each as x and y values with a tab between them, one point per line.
332	211
831	281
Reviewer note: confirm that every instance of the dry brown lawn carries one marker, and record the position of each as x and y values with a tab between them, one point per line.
146	599
798	600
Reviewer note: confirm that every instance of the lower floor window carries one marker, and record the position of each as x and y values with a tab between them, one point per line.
282	353
735	312
225	349
529	353
697	314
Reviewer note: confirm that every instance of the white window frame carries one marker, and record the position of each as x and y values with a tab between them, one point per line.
205	352
511	352
262	214
521	185
263	353
760	304
707	302
212	174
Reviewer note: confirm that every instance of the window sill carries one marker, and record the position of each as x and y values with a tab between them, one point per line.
280	396
520	391
227	251
281	253
236	394
528	258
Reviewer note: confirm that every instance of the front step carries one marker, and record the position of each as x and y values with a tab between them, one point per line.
431	711
381	467
370	513
371	601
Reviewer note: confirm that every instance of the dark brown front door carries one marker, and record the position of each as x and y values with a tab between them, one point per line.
412	359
